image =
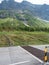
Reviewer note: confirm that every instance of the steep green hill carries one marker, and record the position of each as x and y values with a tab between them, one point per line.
23	21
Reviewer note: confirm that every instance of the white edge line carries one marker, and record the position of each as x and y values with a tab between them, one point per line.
19	63
33	56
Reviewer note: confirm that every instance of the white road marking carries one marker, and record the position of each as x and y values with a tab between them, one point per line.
34	56
37	59
19	63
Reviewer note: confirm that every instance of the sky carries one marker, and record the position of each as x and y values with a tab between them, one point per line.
35	1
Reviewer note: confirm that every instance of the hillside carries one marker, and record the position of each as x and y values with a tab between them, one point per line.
41	11
24	22
15	38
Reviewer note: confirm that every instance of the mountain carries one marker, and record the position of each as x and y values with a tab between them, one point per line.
23	16
24	22
41	11
19	20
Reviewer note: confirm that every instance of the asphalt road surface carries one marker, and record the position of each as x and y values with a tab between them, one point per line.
17	56
37	52
41	47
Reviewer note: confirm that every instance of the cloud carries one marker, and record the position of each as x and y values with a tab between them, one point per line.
39	1
18	0
34	1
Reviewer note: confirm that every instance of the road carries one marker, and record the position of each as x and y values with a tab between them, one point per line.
17	56
37	52
41	47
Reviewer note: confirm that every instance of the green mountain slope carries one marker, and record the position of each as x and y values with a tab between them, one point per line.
20	23
23	21
42	11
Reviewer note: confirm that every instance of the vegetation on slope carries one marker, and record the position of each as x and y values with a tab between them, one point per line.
26	23
41	11
18	26
19	31
13	38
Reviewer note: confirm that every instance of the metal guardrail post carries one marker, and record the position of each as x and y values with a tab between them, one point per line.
45	57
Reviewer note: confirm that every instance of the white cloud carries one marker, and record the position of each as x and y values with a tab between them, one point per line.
35	1
39	1
0	1
18	0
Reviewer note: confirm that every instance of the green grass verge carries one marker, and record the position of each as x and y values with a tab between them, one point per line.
23	38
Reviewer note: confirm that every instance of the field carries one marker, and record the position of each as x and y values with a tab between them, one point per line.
15	38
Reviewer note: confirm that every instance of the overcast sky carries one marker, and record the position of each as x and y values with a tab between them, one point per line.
35	1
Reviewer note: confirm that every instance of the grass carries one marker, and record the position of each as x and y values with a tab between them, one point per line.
23	38
9	35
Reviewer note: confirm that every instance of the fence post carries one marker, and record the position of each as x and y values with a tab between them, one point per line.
45	57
